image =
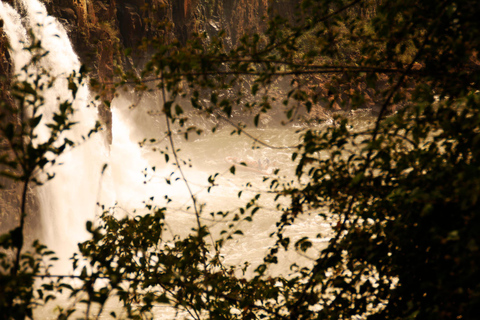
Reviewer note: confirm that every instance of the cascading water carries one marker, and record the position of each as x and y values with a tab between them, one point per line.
69	199
17	35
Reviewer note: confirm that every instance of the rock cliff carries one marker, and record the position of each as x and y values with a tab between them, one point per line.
100	30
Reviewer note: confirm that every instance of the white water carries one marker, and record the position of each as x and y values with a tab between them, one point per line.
70	199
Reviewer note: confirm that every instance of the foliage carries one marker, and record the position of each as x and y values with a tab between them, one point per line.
403	194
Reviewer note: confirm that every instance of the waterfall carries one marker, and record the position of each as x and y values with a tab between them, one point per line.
69	199
16	34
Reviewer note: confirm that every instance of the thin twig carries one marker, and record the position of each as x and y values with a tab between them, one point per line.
316	70
177	162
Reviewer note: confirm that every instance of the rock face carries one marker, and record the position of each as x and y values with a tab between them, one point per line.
11	191
5	66
101	29
97	25
243	16
8	193
238	17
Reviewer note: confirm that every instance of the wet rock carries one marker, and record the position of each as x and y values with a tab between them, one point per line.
68	14
130	24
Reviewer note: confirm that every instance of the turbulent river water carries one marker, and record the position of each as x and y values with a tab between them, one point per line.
71	198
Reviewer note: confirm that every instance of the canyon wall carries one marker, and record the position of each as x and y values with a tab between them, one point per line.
101	29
